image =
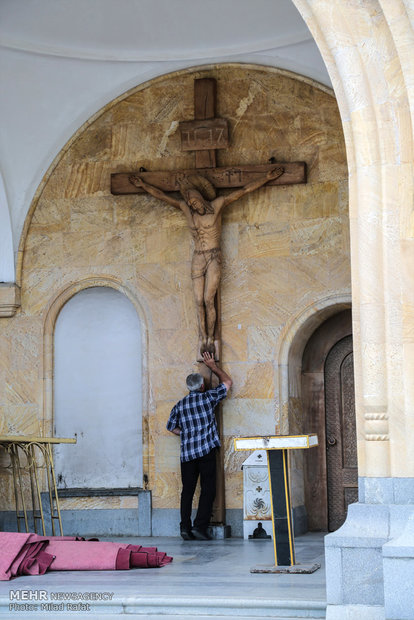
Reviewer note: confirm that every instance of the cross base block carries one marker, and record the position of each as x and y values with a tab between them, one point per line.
219	531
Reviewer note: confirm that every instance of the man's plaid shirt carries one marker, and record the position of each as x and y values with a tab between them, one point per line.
194	416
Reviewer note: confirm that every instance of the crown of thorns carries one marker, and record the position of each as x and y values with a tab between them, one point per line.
199	183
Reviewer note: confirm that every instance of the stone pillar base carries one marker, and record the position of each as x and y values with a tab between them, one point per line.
398	557
355	612
370	559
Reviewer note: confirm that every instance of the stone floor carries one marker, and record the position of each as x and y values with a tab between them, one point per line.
208	579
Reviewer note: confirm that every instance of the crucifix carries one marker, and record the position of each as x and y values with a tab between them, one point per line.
203	210
199	202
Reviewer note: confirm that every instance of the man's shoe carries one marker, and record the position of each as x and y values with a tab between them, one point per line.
200	534
186	535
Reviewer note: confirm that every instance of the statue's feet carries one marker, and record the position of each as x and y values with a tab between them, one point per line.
203	347
210	346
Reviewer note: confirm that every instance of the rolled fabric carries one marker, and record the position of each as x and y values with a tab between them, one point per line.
36	565
22	554
148	557
30	554
96	555
82	555
123	559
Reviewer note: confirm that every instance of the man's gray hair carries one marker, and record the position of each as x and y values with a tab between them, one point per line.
194	381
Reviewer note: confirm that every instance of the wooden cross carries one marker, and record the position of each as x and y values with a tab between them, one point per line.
205	135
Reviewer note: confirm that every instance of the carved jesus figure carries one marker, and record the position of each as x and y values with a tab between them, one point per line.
203	210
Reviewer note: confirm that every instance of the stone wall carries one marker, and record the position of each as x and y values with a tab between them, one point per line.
284	249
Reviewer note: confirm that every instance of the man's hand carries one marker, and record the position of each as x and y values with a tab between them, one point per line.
136	180
209	360
275	173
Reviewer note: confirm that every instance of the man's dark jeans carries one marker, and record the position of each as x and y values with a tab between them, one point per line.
205	467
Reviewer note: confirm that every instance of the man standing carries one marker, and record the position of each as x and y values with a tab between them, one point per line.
193	419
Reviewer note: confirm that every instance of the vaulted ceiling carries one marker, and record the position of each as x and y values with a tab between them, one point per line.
61	61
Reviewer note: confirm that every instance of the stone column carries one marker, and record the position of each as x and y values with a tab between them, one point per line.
367	46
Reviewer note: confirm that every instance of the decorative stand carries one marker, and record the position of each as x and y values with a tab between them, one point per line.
17	446
277	462
257	506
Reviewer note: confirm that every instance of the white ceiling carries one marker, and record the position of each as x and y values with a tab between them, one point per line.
63	60
147	30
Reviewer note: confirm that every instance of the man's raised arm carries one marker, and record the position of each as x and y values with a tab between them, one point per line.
154	191
209	361
250	187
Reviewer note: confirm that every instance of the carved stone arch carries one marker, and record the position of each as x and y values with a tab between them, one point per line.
51	314
349	35
291	344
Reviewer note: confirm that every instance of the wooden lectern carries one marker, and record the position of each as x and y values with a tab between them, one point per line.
277	447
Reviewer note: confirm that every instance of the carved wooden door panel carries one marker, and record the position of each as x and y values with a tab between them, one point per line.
341	445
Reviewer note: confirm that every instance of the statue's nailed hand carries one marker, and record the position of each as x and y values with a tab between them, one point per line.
136	180
180	177
275	173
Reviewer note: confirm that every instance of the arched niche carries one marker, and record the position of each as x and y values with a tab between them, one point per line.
97	390
292	344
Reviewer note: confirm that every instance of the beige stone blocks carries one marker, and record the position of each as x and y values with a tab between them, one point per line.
269	239
248	417
252	380
284	248
9	299
98	503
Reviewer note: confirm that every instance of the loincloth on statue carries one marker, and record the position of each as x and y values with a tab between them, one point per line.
202	259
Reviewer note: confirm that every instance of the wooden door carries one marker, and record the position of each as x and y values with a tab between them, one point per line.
341	445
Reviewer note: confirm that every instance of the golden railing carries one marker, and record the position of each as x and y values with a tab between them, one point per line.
17	446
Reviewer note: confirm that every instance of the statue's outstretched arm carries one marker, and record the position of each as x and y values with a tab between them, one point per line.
253	185
154	191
